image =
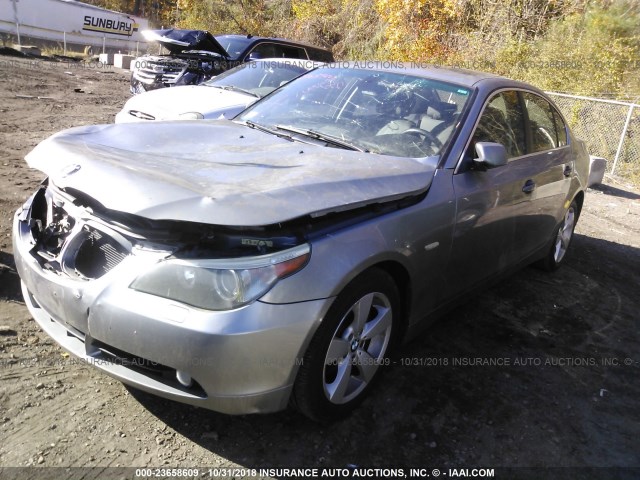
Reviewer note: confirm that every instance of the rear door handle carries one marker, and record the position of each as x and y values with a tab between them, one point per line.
567	170
529	186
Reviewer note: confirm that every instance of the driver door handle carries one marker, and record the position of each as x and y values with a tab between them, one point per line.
529	186
567	170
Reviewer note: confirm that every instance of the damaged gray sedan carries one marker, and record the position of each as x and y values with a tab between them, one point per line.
276	259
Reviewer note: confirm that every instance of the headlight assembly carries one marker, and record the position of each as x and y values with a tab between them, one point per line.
221	284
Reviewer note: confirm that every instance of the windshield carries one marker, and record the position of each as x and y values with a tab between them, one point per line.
257	78
379	112
233	44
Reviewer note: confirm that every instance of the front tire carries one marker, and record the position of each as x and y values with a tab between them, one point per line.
346	353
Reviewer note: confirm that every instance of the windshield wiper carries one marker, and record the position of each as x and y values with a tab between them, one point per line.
262	128
236	89
338	142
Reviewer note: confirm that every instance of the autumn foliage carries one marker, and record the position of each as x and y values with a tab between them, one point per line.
587	47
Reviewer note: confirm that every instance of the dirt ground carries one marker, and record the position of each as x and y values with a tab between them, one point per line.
541	370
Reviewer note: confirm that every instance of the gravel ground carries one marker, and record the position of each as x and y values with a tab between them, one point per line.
539	371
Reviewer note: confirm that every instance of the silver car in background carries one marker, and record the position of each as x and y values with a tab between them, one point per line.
276	259
223	96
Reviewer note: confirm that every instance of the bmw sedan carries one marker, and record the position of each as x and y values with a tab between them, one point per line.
276	259
223	96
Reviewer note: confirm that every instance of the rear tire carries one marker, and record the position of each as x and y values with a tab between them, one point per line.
347	352
561	240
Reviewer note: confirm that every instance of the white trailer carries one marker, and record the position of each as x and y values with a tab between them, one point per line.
70	23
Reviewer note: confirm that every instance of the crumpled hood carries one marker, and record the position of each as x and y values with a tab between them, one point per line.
177	40
220	172
169	103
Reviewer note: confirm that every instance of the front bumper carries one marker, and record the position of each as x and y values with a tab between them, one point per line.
239	361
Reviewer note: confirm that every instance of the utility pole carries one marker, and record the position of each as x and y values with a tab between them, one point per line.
15	16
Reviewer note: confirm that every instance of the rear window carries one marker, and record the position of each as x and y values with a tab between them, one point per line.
546	126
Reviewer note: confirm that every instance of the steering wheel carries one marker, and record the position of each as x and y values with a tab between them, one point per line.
425	133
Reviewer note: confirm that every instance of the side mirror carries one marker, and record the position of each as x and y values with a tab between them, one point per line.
491	154
255	56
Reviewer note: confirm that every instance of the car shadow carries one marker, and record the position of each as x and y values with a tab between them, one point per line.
615	192
9	279
492	379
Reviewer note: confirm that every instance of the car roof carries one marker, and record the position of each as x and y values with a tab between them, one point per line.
460	76
254	38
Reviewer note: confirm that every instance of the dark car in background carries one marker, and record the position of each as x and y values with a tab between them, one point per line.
195	56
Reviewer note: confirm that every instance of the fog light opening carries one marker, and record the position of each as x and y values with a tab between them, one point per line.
184	378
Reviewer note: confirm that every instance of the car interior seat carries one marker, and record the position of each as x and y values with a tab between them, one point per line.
440	119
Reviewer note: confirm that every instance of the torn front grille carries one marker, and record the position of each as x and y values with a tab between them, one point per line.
67	240
97	254
159	72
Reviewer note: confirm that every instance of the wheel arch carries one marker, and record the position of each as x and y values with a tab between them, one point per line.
400	276
579	199
382	275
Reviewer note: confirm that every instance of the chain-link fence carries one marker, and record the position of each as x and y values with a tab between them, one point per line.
610	129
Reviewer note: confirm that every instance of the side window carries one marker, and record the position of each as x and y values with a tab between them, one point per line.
542	123
502	121
273	50
264	50
287	51
561	129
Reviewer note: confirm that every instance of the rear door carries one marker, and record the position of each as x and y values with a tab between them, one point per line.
548	167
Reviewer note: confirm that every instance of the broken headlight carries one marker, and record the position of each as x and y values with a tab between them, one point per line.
222	284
